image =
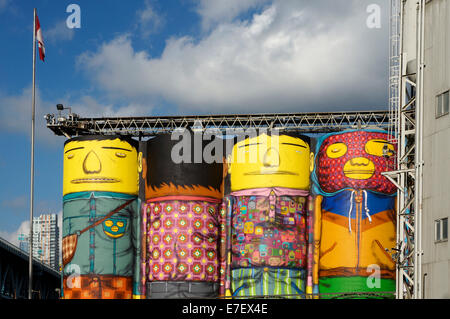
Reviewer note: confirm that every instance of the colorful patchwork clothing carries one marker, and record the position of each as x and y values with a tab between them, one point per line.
268	234
182	238
269	230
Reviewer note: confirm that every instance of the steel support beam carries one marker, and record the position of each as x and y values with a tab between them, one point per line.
72	125
406	111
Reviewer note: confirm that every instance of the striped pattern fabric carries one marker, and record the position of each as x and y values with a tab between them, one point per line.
274	282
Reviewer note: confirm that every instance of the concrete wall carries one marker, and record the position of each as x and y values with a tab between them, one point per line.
436	179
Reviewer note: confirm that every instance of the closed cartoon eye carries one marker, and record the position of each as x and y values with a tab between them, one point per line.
379	147
108	223
71	152
336	150
121	155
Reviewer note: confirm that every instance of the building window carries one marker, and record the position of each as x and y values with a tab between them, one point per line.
441	230
442	104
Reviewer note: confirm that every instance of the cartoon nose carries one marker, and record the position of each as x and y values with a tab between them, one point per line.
91	163
271	158
360	161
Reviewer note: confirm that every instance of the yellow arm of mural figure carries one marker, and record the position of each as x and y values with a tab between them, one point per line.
317	234
228	294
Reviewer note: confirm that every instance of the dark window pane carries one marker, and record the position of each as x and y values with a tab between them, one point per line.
445	106
437	227
445	228
439	105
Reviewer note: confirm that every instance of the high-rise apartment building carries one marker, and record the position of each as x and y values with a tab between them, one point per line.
46	239
24	242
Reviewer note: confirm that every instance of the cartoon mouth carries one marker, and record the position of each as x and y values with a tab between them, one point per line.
95	180
359	168
358	173
271	173
113	235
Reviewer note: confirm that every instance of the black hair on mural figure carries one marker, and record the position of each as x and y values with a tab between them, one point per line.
162	170
296	134
83	138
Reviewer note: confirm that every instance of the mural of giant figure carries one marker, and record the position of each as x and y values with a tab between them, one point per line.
181	217
100	219
267	217
355	221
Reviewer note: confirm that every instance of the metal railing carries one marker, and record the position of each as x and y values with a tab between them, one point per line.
322	122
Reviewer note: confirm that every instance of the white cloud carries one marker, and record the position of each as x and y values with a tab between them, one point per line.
24	228
292	56
59	32
88	106
13	237
213	12
15	112
148	20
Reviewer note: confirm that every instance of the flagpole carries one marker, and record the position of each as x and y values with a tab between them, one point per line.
30	270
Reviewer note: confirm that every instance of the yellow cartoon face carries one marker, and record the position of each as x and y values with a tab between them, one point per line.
270	161
100	165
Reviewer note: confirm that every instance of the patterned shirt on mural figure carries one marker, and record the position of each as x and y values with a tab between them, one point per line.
267	217
355	221
104	254
182	241
269	231
269	242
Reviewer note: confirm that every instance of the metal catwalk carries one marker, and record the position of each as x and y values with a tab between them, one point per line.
73	125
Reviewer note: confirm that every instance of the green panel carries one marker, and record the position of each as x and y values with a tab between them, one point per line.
355	288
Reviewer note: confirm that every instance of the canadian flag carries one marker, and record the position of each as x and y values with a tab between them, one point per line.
40	40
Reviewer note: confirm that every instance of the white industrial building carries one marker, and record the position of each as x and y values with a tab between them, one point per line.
419	102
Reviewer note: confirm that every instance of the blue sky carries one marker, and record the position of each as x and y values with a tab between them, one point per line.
175	57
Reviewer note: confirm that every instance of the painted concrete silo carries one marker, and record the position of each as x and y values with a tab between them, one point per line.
355	220
267	217
181	221
100	218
